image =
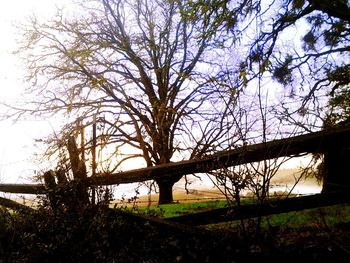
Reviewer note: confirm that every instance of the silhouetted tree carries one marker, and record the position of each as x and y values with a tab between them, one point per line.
146	69
304	46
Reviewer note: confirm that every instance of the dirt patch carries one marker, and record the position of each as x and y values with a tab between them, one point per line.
179	197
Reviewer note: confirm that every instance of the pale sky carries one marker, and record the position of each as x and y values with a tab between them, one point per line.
16	140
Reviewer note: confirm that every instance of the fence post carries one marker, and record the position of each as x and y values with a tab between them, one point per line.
93	153
79	172
50	183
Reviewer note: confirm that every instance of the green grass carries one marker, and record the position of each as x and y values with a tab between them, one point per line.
177	209
325	216
316	218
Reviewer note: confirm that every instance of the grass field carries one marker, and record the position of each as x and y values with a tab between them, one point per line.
177	209
325	216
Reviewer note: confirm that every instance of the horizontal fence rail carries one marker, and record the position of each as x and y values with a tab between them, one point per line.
254	210
23	188
294	146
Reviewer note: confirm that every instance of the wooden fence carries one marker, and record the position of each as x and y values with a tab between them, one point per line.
317	142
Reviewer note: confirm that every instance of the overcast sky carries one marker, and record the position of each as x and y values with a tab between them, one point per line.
16	139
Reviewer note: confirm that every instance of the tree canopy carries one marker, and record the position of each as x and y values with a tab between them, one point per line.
164	79
150	74
304	45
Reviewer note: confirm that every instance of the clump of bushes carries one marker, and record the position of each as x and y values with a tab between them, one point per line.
45	236
97	233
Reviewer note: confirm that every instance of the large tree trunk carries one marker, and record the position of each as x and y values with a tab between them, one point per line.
336	167
166	189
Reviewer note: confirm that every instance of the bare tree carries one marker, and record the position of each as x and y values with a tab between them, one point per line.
257	123
146	69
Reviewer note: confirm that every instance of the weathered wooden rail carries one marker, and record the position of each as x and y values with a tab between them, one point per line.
270	208
294	146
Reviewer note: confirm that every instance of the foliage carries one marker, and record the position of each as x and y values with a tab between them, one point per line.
43	237
102	234
324	41
301	44
340	98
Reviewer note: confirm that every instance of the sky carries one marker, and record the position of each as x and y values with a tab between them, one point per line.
16	139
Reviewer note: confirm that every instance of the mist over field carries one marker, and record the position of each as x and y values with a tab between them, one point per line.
201	189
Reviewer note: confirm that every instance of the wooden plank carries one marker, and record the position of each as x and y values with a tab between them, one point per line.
294	146
273	207
23	188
